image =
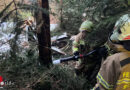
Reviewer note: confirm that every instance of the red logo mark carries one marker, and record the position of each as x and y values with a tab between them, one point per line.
1	81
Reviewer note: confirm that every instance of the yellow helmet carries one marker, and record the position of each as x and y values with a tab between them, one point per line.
86	26
121	30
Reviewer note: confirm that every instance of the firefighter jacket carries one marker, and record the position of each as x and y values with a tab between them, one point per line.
78	45
114	73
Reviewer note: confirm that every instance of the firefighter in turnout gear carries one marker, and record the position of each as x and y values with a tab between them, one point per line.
79	44
114	73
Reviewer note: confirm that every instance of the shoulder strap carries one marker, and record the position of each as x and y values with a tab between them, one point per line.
125	61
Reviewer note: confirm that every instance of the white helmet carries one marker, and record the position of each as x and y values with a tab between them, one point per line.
121	30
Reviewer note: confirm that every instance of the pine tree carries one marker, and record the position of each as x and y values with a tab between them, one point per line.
43	33
103	13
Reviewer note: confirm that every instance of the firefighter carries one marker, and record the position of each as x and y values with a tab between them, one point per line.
79	43
114	73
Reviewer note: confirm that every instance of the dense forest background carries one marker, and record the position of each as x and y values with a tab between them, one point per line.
26	44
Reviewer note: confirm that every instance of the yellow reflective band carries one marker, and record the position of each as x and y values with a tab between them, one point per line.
83	29
75	43
75	49
103	82
123	81
82	42
93	89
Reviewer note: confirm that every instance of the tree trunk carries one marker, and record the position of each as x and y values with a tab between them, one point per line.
61	14
43	33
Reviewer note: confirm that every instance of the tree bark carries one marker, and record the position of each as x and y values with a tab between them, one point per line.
43	34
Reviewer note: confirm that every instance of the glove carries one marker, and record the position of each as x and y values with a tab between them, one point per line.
103	52
76	53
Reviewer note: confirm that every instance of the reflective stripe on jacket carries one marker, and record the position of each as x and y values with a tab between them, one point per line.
76	45
110	71
123	82
104	83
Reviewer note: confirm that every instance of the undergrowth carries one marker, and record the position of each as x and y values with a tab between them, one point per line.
28	74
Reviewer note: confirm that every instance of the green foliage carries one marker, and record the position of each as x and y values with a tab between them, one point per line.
25	14
103	13
25	68
22	69
32	8
101	32
60	78
107	7
72	15
27	73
